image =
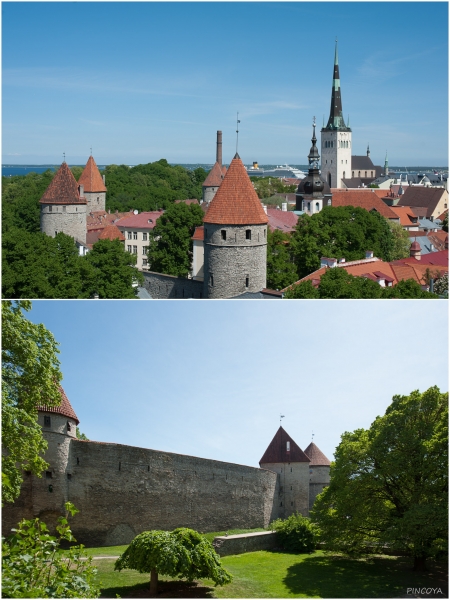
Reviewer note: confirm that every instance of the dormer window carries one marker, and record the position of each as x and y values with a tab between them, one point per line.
288	446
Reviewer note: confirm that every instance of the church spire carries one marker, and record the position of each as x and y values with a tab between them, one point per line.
336	121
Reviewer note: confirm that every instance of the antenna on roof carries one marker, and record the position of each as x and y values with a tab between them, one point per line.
281	417
237	131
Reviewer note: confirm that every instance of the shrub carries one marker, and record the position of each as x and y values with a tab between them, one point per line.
296	533
182	553
33	566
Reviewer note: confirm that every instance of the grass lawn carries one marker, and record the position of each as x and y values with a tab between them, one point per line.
281	575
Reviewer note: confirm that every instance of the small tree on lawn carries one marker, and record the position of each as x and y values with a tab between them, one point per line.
182	553
296	533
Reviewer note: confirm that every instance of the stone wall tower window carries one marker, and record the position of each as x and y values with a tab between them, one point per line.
47	421
224	234
247	281
211	280
248	234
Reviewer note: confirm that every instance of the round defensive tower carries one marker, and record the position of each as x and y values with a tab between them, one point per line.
235	239
94	186
59	428
319	472
63	206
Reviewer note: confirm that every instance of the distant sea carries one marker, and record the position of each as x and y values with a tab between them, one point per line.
10	170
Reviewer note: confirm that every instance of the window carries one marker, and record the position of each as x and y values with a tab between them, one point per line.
135	235
129	248
317	207
211	280
144	237
288	446
134	249
69	427
129	235
64	208
98	199
48	474
47	421
144	262
224	234
248	234
144	249
49	209
247	280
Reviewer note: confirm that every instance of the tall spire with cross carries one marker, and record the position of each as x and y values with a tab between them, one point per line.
336	120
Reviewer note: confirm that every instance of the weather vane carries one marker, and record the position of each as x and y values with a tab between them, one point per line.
64	157
281	417
237	131
312	437
91	150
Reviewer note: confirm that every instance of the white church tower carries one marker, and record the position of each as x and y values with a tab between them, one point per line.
336	138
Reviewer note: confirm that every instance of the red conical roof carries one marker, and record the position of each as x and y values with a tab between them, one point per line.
236	202
91	178
215	176
111	232
63	188
317	457
65	408
277	450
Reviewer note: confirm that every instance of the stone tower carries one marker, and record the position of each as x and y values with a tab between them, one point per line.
235	240
292	465
336	137
313	193
216	175
319	471
94	186
63	206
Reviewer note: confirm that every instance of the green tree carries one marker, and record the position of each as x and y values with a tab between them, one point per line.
170	249
182	553
33	567
441	285
81	436
388	484
295	534
281	270
445	223
401	241
268	186
113	272
30	377
304	289
407	288
337	232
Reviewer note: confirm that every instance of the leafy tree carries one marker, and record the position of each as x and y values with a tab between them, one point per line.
304	289
408	288
401	241
30	377
113	274
281	270
170	249
33	567
182	553
445	223
296	533
343	231
388	485
441	285
268	186
81	436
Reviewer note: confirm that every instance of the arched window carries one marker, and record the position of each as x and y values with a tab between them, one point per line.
317	207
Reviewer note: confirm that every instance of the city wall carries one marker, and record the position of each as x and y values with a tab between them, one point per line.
161	286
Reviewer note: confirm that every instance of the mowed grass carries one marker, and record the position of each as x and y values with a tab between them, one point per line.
281	575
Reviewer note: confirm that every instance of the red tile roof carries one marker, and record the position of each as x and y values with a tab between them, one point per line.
91	178
236	202
405	215
363	199
144	220
99	219
63	189
199	233
215	176
284	220
316	456
277	453
111	232
65	408
442	217
439	259
190	201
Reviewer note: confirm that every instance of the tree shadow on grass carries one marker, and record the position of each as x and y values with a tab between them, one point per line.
166	589
338	576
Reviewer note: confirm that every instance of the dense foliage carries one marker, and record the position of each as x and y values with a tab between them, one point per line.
340	232
441	285
33	567
30	376
401	241
170	249
337	283
266	187
281	270
151	186
389	483
295	534
182	553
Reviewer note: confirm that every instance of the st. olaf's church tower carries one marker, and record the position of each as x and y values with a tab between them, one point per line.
336	138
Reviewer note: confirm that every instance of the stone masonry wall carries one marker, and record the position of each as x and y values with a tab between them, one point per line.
319	477
95	201
121	491
66	218
293	491
232	260
162	286
246	542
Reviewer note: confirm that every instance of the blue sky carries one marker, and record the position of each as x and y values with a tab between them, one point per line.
211	379
140	81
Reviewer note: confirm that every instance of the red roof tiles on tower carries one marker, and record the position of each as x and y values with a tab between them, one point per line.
236	202
215	176
63	189
91	178
316	456
277	450
65	408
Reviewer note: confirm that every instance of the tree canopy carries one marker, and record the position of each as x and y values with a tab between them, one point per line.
281	270
340	232
182	553
170	249
388	484
30	377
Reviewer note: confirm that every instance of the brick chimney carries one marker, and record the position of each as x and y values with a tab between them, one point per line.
219	148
